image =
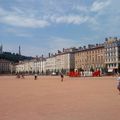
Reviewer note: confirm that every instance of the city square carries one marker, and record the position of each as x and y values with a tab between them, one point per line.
47	98
59	60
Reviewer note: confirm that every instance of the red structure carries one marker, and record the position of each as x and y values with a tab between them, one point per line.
96	73
74	74
78	74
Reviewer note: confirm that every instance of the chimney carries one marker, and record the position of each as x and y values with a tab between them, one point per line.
89	46
110	38
106	39
84	47
63	49
80	48
59	51
115	38
97	45
48	54
37	57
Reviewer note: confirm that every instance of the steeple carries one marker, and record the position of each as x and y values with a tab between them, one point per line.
19	50
1	49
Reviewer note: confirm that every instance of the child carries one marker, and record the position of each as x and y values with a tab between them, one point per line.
118	86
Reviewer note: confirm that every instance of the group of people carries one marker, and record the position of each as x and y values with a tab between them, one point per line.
35	76
20	75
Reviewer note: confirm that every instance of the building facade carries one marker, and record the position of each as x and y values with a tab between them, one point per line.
62	61
65	61
50	64
31	66
112	54
90	58
5	66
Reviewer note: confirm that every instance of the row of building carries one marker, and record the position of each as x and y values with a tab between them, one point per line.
62	61
105	57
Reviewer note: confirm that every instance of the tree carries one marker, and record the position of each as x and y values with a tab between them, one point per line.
80	70
13	57
91	69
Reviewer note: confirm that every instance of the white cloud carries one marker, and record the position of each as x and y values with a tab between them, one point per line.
24	22
69	19
54	12
15	19
99	5
17	10
18	18
80	8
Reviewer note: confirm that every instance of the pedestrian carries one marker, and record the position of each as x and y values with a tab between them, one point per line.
22	75
18	75
118	85
62	76
35	77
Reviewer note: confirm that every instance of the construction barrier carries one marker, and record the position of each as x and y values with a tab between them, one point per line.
74	74
96	73
84	74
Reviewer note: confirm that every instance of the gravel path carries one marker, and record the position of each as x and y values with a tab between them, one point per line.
47	98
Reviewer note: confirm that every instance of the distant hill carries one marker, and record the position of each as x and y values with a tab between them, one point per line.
13	57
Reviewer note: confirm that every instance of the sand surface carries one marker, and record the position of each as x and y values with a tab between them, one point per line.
50	99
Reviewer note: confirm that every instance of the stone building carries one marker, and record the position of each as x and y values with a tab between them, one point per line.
61	61
5	66
50	64
32	66
112	54
90	58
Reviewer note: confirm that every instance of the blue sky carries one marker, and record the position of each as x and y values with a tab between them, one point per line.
42	26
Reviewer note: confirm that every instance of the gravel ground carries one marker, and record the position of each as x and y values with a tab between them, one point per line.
47	98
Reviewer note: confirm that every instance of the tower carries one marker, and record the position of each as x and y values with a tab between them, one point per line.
19	50
1	49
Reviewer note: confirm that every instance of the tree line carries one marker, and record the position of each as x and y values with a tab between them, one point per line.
14	57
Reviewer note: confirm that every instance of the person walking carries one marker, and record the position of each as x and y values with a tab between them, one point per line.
62	76
18	75
35	76
22	75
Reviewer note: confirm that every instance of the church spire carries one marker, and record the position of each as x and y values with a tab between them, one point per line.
19	50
